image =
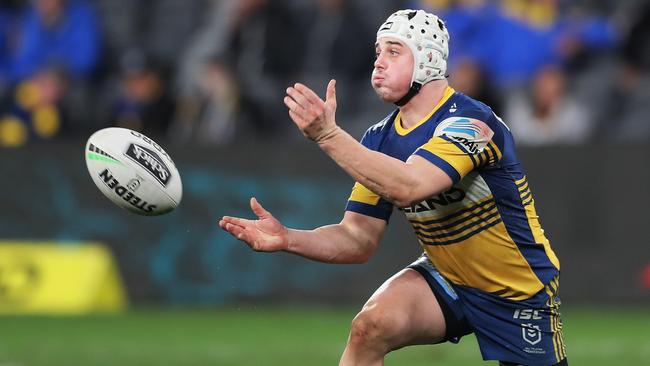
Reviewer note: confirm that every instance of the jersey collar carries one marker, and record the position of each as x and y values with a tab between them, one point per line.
449	91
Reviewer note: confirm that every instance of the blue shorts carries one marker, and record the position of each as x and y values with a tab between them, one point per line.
527	332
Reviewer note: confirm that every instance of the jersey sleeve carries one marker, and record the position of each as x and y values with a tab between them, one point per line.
460	145
362	200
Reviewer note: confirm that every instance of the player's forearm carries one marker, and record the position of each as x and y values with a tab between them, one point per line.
331	244
386	176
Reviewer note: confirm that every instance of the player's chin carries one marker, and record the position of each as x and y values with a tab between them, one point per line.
385	94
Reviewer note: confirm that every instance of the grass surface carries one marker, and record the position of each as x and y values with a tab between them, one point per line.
276	336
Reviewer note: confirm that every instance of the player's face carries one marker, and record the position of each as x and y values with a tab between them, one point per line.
391	77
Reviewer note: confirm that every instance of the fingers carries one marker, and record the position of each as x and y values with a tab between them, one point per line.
235	221
299	98
242	233
308	93
303	96
297	119
230	225
296	112
309	112
293	105
237	231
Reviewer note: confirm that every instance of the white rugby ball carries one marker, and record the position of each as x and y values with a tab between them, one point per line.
133	171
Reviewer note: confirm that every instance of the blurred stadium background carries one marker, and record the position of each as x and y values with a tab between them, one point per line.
85	283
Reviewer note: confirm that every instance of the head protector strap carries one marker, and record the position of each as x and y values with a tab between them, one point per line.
414	89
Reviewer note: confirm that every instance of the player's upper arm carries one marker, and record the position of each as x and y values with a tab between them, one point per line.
427	180
365	231
461	145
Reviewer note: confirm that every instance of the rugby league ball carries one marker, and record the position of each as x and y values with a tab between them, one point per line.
133	171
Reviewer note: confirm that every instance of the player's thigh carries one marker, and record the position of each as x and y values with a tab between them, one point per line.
408	310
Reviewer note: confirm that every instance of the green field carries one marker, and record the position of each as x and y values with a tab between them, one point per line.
278	336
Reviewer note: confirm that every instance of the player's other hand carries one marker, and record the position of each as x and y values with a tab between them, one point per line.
266	234
314	117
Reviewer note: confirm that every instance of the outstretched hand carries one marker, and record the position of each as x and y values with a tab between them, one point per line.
266	234
314	117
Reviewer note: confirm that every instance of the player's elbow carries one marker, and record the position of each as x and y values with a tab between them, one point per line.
406	191
357	257
364	251
417	191
403	202
361	257
362	235
405	197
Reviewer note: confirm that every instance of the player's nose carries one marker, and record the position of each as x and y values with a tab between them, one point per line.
380	63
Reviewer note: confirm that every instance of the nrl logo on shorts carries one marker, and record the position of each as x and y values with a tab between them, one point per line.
149	160
531	333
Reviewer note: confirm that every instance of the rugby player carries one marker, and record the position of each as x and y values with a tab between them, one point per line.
449	163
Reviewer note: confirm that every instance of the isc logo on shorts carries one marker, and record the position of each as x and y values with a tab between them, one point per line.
525	314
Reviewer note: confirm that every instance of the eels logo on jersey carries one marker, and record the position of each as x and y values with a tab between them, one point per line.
471	134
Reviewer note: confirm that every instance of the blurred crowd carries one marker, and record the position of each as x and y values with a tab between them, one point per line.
214	72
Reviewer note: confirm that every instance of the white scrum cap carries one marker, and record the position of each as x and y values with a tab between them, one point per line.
427	37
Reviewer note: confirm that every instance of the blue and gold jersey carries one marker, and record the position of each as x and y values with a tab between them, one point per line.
484	231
